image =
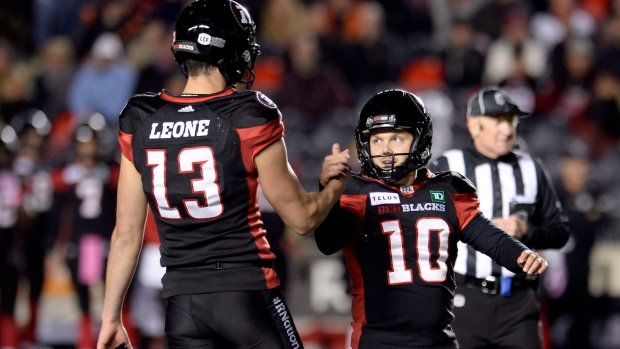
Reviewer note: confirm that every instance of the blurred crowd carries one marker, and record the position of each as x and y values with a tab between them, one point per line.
66	64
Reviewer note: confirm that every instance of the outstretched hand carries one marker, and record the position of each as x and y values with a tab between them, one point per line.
532	262
336	166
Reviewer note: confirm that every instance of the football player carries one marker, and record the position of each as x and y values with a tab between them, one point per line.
398	224
85	191
10	200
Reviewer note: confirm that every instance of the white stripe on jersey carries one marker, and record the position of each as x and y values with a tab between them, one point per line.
507	186
456	162
509	192
530	181
484	264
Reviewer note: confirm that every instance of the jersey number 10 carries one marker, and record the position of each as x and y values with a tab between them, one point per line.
430	271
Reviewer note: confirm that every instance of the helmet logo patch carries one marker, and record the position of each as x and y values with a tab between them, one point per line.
204	39
264	100
380	119
187	47
246	56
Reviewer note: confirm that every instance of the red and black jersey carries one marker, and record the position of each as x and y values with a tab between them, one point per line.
196	157
84	199
400	245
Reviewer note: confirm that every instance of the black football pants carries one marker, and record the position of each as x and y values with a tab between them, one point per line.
235	319
488	321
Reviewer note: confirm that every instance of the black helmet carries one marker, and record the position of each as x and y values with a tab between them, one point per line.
219	32
399	110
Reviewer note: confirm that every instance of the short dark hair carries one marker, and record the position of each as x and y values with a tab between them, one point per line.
196	68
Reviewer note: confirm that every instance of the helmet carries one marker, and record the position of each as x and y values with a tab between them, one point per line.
398	110
8	139
219	32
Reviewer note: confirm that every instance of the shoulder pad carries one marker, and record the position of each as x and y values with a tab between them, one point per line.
137	109
355	184
459	182
256	105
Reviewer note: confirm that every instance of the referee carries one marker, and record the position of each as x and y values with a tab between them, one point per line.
493	308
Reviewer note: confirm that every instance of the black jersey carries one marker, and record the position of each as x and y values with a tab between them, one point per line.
196	157
400	248
86	198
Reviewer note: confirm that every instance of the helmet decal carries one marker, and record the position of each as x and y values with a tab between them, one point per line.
204	39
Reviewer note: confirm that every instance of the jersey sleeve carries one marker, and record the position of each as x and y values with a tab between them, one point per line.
342	221
486	237
258	123
132	115
464	195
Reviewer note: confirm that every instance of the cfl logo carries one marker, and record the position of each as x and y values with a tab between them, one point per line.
204	39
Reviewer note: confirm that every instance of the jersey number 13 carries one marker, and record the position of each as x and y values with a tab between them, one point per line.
206	184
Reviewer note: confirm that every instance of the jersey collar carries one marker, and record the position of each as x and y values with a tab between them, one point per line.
167	96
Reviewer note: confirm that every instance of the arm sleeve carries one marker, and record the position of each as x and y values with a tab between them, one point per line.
548	227
486	237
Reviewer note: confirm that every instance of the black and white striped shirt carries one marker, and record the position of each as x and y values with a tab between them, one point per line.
516	181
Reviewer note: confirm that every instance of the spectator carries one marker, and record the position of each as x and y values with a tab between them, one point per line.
514	43
103	83
53	80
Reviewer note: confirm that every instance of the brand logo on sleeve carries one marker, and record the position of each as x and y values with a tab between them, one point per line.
438	196
264	100
384	198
